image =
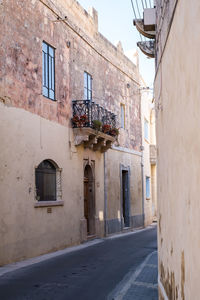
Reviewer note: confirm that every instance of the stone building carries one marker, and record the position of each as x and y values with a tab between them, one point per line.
148	153
65	176
177	118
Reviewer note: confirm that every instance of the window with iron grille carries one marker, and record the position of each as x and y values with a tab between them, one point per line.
87	86
48	71
45	177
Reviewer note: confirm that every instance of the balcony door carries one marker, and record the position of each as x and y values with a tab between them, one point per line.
87	86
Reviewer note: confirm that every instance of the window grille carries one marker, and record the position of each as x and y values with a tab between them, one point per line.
45	176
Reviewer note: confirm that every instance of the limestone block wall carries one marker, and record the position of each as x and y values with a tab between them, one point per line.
115	77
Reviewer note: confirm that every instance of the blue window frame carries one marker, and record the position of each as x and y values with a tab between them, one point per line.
87	86
148	187
48	71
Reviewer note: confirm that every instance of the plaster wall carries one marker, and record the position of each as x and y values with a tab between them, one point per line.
26	231
116	161
147	114
177	98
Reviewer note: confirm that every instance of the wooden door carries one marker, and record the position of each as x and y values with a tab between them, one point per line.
86	200
125	200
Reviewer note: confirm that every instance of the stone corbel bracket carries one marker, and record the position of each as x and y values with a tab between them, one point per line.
93	139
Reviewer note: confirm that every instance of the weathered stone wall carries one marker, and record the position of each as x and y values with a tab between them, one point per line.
21	61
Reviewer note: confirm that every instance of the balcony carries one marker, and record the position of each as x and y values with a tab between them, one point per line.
93	125
145	22
153	154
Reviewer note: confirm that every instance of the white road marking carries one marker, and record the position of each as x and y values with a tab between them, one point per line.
121	289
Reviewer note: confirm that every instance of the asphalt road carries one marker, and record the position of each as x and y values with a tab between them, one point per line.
87	274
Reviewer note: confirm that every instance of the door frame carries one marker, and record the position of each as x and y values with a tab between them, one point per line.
127	169
92	182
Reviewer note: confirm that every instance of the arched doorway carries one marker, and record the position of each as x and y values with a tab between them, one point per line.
89	201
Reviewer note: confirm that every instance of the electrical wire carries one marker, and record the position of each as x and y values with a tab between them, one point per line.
133	9
138	9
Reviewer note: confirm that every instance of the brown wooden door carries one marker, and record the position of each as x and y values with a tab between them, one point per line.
89	200
86	200
125	200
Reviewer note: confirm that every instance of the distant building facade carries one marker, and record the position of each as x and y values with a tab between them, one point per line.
146	27
149	157
66	173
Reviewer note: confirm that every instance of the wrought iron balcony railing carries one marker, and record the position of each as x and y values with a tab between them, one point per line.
87	113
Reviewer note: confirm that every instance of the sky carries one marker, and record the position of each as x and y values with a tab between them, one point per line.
115	19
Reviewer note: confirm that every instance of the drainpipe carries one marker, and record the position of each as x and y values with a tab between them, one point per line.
142	175
105	195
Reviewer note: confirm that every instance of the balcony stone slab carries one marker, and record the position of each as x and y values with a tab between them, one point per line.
93	139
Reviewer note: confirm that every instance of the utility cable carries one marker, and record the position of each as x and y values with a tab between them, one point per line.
138	9
134	10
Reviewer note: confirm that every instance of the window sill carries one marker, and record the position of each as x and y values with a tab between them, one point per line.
49	98
48	203
148	198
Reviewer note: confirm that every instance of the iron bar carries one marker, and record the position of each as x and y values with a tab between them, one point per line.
87	113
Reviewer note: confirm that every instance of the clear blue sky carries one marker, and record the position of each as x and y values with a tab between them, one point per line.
116	24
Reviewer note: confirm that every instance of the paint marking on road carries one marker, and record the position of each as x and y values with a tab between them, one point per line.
162	290
121	289
148	285
18	265
151	266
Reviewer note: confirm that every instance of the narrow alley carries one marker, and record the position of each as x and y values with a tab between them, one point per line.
101	270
